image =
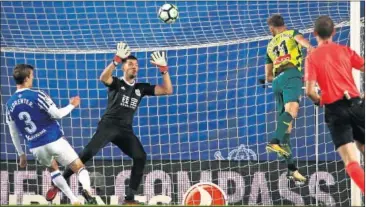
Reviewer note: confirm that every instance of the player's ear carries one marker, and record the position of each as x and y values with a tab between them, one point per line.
315	34
334	31
123	67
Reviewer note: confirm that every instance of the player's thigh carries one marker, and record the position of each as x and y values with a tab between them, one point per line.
280	105
106	131
129	144
292	90
63	152
42	155
357	114
339	125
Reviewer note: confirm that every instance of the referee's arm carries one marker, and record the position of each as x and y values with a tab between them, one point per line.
310	81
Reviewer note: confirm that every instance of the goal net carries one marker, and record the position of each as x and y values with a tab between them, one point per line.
215	126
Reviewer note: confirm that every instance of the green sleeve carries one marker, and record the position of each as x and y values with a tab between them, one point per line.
296	32
268	59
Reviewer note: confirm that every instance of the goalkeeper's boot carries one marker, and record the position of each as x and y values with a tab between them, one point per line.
278	149
51	193
296	176
89	198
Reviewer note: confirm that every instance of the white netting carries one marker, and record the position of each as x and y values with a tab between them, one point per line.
218	110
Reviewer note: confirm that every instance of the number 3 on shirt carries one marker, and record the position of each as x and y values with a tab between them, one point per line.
31	127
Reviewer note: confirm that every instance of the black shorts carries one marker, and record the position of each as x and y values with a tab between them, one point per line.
346	121
121	135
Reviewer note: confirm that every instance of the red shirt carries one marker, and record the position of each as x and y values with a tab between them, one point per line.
331	66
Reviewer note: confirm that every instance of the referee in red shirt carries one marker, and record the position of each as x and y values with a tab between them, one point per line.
330	65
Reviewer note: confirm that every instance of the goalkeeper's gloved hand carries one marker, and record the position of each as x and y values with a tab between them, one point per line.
159	59
123	51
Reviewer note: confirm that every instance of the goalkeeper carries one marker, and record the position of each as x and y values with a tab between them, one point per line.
283	69
124	96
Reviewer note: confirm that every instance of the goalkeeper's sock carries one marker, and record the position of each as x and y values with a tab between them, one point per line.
283	123
61	184
84	178
357	174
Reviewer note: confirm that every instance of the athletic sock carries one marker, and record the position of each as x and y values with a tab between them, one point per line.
357	174
283	123
84	178
61	184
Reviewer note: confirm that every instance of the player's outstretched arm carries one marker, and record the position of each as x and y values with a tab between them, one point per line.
159	59
123	51
46	103
303	42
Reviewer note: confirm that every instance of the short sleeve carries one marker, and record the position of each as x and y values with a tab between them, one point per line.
268	59
296	32
147	89
356	60
44	101
310	70
114	84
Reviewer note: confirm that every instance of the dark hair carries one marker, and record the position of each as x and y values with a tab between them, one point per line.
21	72
130	57
324	26
276	20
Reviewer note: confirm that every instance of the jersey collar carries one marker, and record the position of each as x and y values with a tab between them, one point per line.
22	89
130	84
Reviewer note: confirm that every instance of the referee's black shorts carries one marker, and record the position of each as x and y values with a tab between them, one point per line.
120	134
346	121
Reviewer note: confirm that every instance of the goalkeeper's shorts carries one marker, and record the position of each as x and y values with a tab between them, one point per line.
287	87
346	121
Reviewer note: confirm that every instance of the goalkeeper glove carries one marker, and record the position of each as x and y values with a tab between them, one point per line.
123	51
159	59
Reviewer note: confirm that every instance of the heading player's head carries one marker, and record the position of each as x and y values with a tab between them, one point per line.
324	28
276	24
130	67
23	75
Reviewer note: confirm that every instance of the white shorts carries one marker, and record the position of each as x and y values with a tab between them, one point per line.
60	150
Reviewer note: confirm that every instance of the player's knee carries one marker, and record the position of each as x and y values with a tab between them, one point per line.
77	165
288	131
292	108
140	157
347	153
360	147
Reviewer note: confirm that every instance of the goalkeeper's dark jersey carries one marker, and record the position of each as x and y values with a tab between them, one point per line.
124	98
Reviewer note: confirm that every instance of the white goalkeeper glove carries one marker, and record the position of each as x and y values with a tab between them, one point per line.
159	59
123	51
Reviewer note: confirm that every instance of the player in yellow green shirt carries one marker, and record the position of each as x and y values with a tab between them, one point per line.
284	70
